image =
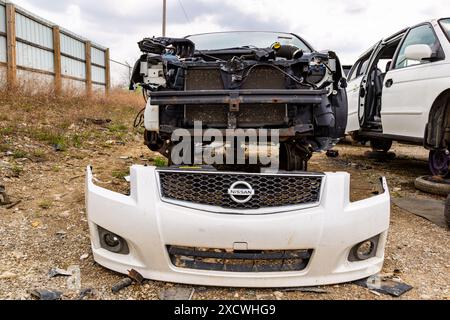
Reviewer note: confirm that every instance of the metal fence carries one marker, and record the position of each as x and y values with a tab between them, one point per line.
31	47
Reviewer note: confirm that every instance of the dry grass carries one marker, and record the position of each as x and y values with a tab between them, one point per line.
64	121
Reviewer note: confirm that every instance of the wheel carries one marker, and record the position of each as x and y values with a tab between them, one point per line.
380	145
447	211
294	157
439	162
429	185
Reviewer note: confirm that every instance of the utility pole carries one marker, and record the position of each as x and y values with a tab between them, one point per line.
164	18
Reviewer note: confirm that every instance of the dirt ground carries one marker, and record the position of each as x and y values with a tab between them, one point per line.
48	228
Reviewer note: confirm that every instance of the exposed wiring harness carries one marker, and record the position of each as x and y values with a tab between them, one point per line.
139	120
295	79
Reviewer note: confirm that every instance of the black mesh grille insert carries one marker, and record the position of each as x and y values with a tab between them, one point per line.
212	189
239	261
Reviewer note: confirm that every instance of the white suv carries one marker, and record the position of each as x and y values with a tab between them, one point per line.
399	90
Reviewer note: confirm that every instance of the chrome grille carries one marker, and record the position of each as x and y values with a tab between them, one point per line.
212	188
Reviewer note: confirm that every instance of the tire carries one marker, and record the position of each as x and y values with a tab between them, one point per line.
426	184
447	212
381	145
439	163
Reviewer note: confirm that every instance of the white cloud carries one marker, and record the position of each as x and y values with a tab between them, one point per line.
346	26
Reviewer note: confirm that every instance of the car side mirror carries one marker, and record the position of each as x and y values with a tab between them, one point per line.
418	52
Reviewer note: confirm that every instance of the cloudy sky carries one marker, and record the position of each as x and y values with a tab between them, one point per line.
346	26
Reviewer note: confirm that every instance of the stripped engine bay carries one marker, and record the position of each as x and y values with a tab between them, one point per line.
297	91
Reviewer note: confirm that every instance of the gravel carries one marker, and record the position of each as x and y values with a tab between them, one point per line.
38	237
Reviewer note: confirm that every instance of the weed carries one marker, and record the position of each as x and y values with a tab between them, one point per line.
17	170
19	154
4	147
120	174
51	138
6	130
77	141
160	162
117	128
45	204
38	153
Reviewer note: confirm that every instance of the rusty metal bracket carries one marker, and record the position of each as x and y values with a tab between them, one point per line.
234	101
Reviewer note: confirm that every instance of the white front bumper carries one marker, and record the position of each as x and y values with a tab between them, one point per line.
148	225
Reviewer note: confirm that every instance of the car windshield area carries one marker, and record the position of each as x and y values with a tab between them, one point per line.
256	39
445	24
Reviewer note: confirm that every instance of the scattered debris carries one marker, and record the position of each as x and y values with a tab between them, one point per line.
384	285
86	293
122	284
99	122
43	294
36	223
332	153
61	234
278	295
74	281
375	293
433	185
176	293
56	272
127	178
76	177
58	147
4	198
84	256
136	276
12	205
306	289
432	210
7	275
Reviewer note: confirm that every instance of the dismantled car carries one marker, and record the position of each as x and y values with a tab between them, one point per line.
399	90
243	80
214	226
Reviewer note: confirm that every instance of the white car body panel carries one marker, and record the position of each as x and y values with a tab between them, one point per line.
353	90
407	103
149	224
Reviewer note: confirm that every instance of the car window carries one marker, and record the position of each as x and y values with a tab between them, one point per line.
423	34
383	65
360	67
364	65
445	24
237	39
352	73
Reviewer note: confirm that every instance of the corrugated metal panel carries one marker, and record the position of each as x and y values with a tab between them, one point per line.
73	47
98	74
73	68
98	56
2	18
32	57
34	32
98	88
3	49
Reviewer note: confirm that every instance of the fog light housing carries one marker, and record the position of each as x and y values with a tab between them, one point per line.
364	250
112	242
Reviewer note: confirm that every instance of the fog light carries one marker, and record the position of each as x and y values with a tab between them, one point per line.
364	250
112	242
